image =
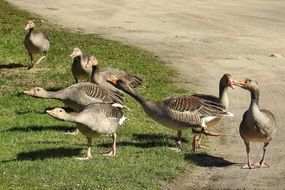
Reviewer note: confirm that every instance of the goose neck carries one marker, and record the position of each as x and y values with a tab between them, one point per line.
223	96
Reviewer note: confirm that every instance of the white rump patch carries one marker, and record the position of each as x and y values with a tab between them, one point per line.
208	119
117	105
121	121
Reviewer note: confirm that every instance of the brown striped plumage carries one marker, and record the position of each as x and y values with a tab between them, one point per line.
99	76
78	95
177	112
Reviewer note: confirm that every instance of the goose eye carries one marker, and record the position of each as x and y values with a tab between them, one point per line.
38	89
60	110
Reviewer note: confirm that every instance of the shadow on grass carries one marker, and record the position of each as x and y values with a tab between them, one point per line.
11	66
147	141
45	154
206	160
48	153
40	128
23	112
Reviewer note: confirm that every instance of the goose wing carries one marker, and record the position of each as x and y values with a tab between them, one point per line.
105	95
131	79
191	109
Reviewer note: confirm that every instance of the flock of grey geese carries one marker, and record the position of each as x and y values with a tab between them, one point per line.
98	104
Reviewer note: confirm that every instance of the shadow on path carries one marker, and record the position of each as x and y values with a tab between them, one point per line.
206	160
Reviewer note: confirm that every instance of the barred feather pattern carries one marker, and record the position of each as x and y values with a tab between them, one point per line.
103	94
135	82
190	110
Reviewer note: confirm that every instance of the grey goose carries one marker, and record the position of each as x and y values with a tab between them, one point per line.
178	112
94	120
35	42
257	125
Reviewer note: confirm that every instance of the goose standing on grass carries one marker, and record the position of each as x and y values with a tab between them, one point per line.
257	125
95	120
78	96
99	76
178	112
78	69
35	42
225	82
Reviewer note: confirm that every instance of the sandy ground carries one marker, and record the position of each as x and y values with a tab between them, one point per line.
202	39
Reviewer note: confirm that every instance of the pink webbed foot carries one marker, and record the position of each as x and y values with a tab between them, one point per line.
263	165
250	166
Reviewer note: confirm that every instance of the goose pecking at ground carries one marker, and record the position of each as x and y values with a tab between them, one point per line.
94	120
35	42
178	112
257	125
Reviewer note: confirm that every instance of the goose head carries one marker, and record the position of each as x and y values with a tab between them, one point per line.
226	81
248	84
76	52
36	91
119	83
57	113
30	25
92	61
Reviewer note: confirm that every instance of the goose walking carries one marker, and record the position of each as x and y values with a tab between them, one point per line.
177	112
35	42
94	120
78	69
257	125
78	96
225	82
99	76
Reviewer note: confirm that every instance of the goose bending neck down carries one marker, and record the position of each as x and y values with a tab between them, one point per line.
177	112
257	125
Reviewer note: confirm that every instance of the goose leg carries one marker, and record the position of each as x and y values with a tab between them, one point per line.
89	145
75	132
199	141
31	58
114	148
40	59
261	163
248	165
178	143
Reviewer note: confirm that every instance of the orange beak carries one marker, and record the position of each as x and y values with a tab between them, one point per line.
231	83
30	92
113	80
27	27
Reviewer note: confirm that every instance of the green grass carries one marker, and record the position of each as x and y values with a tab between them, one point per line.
34	151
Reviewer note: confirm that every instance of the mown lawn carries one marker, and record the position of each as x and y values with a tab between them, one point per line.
34	151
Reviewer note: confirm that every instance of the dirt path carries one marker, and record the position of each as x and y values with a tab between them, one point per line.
203	40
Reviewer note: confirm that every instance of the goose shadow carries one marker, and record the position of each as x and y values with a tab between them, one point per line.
206	160
40	128
11	66
147	141
23	112
48	153
45	154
